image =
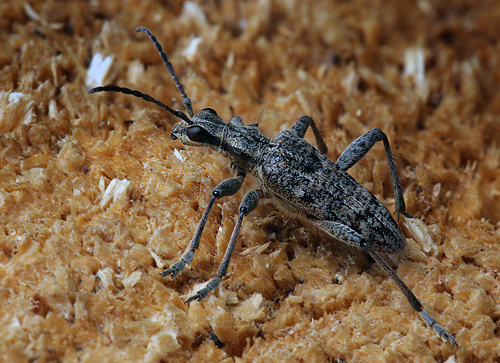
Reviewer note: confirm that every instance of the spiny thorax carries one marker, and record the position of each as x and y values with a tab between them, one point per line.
244	146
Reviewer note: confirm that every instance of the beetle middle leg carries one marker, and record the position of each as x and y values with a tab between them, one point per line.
224	189
248	204
347	235
299	128
359	147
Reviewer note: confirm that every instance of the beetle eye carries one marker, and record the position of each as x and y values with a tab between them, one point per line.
196	133
211	110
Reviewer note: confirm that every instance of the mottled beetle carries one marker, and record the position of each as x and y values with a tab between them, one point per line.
298	176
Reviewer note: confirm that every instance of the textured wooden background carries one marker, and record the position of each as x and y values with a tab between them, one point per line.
95	199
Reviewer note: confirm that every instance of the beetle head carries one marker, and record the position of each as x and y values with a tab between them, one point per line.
205	129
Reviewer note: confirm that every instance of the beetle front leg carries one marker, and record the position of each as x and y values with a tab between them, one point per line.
227	187
248	204
347	235
359	147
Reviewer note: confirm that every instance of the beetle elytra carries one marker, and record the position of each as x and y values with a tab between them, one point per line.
299	177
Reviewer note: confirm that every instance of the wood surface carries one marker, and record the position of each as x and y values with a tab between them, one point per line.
96	199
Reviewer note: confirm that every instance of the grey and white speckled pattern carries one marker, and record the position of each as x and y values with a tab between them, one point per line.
308	182
300	177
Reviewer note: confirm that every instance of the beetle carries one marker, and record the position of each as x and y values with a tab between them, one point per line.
299	177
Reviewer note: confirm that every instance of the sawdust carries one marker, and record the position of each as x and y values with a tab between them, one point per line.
96	200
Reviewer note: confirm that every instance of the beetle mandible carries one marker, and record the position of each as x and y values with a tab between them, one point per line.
296	175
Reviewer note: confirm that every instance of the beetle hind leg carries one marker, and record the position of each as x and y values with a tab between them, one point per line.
347	235
359	147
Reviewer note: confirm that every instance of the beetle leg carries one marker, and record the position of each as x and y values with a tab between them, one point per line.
299	128
227	187
359	147
248	204
347	235
412	299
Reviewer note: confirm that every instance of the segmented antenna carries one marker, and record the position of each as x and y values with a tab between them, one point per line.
186	101
144	96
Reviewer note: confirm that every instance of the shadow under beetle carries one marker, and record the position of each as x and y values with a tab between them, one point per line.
298	176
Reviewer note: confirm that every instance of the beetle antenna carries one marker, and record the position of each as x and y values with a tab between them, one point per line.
186	101
144	96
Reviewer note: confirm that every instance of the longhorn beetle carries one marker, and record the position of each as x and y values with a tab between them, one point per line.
299	177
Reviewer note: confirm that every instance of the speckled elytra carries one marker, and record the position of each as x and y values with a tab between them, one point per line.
298	177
